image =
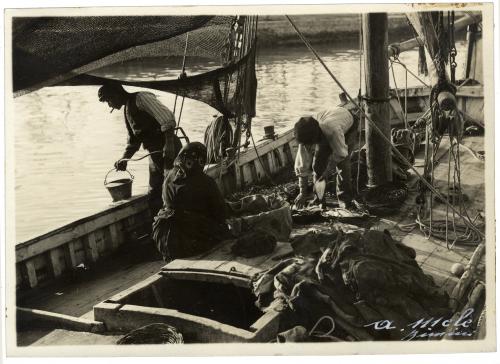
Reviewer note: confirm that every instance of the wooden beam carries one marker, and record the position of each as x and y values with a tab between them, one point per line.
55	262
31	272
377	98
58	320
408	45
92	252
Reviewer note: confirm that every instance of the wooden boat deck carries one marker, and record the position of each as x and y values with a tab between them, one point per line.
120	273
432	254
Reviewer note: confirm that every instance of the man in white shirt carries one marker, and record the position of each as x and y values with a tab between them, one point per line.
325	142
149	123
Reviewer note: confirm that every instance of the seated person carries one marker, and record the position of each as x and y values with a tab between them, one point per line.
192	219
325	143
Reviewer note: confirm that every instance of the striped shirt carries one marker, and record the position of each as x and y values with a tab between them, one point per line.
147	102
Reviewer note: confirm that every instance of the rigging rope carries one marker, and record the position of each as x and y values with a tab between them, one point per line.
375	127
260	161
397	94
398	61
360	127
182	75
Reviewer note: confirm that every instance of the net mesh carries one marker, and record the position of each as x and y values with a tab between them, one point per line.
65	51
49	50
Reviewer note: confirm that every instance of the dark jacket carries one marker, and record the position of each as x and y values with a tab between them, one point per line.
192	219
196	193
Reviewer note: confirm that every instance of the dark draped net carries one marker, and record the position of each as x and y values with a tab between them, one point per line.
64	50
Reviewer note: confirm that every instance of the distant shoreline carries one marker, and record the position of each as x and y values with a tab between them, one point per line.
276	31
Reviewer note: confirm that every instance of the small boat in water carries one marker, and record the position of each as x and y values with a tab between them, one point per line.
97	277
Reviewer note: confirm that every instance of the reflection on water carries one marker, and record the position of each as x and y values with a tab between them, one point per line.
66	141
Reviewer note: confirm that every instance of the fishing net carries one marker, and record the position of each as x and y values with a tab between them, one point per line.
152	334
65	50
46	49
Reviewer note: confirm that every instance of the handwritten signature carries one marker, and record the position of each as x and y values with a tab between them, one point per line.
432	327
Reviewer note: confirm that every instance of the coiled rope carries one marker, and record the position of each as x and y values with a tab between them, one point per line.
218	137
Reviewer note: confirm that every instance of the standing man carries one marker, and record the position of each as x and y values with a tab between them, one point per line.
325	143
151	124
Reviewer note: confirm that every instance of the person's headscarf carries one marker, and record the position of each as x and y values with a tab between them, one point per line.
191	159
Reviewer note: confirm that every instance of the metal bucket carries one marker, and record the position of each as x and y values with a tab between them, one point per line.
119	189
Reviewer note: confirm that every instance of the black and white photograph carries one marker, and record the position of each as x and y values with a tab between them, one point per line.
291	179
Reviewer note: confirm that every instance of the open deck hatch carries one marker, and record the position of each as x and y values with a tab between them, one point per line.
222	302
203	306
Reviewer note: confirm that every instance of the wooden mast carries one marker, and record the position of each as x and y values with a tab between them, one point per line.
377	98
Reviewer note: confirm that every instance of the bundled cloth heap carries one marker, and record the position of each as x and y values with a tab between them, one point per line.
359	279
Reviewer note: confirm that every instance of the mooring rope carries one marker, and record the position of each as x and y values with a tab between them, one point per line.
377	129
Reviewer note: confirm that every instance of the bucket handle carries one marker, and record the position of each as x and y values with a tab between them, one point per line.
114	169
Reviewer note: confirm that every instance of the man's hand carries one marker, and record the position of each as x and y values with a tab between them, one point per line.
121	165
300	200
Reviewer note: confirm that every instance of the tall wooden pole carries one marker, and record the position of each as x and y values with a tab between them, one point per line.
377	98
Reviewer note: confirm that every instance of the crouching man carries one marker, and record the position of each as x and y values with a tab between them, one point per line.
325	143
192	219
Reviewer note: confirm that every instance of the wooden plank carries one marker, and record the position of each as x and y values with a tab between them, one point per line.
271	163
471	91
207	263
267	326
259	170
121	297
396	109
19	275
73	231
266	147
251	266
474	91
157	295
278	158
92	252
130	228
208	276
31	272
80	253
55	262
410	44
116	235
58	320
69	250
130	317
100	241
288	152
62	337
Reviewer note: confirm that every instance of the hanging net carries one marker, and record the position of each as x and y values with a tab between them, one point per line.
51	51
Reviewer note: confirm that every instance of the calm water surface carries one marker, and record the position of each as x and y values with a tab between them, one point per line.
66	141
